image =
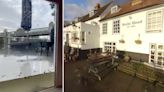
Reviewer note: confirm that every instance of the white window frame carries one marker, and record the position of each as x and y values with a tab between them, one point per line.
116	26
74	36
156	55
104	28
111	46
83	42
154	27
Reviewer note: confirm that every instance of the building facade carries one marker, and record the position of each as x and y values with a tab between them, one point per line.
84	32
135	28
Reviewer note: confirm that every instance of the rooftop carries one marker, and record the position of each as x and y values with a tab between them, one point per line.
88	17
131	6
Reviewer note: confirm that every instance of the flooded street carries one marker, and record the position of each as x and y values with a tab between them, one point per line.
20	64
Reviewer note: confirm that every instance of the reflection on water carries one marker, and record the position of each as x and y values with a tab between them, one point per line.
20	64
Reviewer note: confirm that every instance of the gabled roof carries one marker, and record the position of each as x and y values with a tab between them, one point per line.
97	14
127	8
87	17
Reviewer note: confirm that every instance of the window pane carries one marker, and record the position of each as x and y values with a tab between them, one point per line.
154	21
116	26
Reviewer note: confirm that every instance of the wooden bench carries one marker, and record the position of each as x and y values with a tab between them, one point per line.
100	67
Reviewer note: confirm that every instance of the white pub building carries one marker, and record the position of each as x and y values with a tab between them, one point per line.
135	28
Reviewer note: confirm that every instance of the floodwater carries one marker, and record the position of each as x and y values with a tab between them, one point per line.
31	84
20	64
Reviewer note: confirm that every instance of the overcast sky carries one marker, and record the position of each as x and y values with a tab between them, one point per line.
77	8
10	14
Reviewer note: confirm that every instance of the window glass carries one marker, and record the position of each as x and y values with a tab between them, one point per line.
83	38
104	28
154	21
27	37
156	56
110	47
116	26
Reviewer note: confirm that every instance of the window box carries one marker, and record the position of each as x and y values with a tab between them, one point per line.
75	38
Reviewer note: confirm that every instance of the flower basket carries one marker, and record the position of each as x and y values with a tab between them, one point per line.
138	41
121	41
76	38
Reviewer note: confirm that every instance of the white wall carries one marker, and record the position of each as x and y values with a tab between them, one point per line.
130	34
92	39
95	20
69	30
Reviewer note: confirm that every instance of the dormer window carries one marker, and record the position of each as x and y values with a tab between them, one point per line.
114	9
135	2
91	13
77	19
94	23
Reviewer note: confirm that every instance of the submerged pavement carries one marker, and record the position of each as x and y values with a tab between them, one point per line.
115	81
20	64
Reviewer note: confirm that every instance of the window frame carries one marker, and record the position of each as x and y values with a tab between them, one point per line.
116	27
156	54
149	30
110	46
83	37
105	31
114	9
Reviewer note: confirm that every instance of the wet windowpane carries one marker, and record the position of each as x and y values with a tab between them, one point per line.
27	41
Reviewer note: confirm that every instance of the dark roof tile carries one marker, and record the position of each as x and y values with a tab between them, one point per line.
127	8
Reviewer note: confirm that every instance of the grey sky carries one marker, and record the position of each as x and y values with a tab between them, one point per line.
10	14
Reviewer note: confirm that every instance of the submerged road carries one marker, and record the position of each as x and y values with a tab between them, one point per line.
115	81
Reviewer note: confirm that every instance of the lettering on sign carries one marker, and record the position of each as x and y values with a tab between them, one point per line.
132	23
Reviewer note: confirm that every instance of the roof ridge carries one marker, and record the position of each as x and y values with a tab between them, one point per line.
127	8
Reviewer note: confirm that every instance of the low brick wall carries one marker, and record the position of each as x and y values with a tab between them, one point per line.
134	56
142	71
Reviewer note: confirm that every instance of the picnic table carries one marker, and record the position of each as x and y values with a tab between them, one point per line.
101	67
98	56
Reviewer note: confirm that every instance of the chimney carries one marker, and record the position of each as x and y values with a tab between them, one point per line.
136	2
97	6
